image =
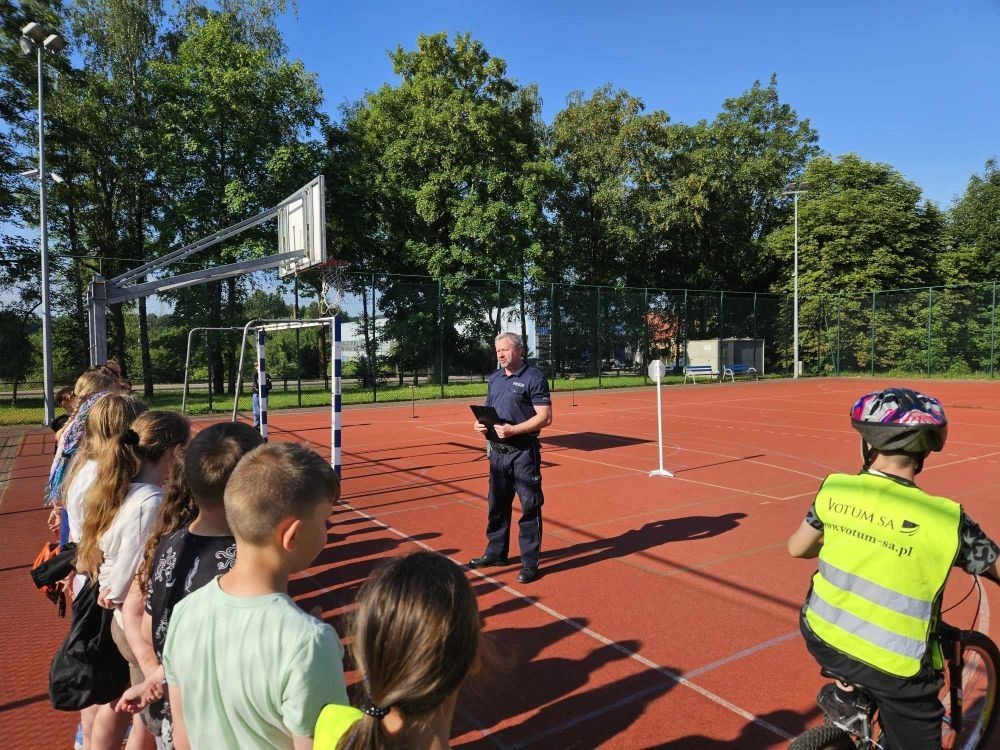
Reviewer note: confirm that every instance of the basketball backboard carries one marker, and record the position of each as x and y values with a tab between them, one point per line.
302	228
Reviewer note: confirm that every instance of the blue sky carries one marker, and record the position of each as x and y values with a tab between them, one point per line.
914	84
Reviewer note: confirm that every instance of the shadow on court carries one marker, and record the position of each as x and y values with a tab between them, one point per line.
590	441
640	540
752	736
529	673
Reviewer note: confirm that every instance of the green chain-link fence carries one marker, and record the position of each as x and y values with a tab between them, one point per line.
416	337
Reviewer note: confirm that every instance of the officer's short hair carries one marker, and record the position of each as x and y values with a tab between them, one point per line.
515	339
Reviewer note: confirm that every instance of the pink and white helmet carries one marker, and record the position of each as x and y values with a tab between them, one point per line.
900	419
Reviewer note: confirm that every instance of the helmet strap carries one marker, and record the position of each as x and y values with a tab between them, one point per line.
867	453
920	463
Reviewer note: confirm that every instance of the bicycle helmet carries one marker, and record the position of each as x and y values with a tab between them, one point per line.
899	419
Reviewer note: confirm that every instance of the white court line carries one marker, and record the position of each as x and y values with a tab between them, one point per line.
741	654
587	716
668	673
644	472
961	461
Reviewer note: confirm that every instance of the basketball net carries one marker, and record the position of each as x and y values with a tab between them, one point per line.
332	287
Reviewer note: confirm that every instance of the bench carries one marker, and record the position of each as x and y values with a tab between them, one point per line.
731	371
694	370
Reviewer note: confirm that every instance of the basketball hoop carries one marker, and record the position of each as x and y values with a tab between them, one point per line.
332	286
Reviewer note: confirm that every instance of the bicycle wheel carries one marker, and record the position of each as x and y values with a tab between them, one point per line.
979	695
826	737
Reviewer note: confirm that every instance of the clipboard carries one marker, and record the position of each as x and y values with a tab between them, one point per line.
489	417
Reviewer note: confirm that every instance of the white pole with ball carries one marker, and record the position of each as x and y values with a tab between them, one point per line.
656	372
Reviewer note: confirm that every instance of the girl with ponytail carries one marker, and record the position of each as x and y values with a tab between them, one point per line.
121	507
109	416
415	638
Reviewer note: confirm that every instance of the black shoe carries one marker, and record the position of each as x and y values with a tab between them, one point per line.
485	560
850	714
527	575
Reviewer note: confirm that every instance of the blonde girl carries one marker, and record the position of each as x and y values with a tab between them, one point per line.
120	512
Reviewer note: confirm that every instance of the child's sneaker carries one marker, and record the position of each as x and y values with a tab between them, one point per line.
78	741
849	715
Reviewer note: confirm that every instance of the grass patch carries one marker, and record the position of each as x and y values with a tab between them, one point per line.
31	410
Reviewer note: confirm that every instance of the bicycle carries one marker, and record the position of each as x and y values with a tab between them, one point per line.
969	694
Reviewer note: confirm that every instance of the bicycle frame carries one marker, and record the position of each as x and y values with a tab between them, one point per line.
952	641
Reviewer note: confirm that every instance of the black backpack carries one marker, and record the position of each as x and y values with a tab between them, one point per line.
87	669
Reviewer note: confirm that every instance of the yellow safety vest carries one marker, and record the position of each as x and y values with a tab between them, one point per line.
887	550
334	722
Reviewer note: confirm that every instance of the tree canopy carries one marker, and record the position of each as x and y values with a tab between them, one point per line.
198	117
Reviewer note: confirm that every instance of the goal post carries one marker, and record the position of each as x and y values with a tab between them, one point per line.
261	328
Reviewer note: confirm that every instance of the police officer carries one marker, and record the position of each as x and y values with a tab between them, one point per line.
520	395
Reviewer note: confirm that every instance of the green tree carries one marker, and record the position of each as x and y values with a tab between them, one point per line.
974	230
862	227
606	152
723	196
454	154
235	120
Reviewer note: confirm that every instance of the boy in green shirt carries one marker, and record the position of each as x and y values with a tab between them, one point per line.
245	666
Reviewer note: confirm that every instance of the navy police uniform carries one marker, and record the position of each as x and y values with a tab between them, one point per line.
516	465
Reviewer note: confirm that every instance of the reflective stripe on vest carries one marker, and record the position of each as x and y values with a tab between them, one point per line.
887	550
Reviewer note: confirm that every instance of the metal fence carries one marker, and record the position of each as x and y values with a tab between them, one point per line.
416	337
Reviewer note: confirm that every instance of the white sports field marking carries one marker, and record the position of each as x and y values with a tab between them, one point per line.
643	471
668	673
432	506
741	654
960	461
587	716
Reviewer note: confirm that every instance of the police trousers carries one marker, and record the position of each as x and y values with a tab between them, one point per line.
516	471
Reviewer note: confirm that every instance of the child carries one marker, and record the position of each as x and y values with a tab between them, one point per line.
90	386
67	400
120	509
245	666
108	419
255	398
191	546
415	638
886	549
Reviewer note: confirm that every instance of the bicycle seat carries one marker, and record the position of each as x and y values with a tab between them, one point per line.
853	683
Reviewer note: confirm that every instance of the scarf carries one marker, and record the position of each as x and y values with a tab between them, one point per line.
67	448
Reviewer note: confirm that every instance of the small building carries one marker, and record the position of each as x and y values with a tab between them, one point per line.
719	353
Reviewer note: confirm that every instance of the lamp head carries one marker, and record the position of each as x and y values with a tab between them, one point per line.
35	32
54	43
26	45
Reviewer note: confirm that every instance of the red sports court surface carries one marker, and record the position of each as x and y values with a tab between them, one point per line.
667	613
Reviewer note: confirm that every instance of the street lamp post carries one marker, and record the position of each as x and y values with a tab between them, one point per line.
795	189
35	37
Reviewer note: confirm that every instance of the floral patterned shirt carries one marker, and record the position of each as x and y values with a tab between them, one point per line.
183	562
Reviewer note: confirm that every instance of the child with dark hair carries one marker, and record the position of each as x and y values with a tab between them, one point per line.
246	668
67	400
415	638
190	547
